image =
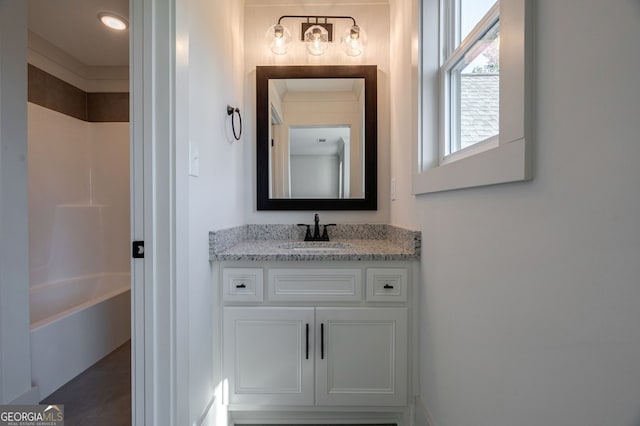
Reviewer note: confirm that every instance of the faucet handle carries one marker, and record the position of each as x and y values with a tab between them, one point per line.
325	235
307	235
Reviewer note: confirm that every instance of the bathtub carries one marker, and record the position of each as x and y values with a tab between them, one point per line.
74	323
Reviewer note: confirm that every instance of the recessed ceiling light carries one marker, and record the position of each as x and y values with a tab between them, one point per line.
113	21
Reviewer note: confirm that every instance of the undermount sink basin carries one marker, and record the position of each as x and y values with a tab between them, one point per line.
315	246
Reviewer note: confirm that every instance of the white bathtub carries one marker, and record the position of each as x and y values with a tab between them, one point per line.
75	323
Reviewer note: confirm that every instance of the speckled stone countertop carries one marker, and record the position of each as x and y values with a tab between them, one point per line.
281	243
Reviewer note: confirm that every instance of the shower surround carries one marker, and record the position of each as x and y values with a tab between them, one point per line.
78	242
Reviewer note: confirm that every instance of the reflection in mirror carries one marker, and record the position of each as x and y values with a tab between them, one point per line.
318	162
316	137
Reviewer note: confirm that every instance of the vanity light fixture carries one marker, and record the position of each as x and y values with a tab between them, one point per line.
278	38
354	41
316	32
113	21
316	38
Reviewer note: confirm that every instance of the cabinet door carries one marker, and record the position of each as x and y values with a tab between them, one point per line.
361	356
266	360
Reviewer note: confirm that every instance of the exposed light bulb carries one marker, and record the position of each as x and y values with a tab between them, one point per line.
317	39
278	39
354	41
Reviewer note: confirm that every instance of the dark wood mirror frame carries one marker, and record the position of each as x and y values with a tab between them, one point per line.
263	112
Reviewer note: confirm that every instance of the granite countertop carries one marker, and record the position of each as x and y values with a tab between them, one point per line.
285	243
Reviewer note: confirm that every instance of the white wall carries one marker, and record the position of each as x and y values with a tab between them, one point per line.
314	176
403	122
373	17
15	362
530	290
210	57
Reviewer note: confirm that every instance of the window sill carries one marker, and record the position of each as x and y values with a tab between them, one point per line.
472	150
508	162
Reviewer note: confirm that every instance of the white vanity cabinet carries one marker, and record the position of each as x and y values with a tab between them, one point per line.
363	356
348	356
334	336
268	355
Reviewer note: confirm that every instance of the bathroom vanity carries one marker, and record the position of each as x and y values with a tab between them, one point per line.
317	330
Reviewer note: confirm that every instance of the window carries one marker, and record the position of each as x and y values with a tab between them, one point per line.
470	77
475	94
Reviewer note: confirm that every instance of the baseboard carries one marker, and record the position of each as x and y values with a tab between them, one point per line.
30	397
423	417
296	418
205	413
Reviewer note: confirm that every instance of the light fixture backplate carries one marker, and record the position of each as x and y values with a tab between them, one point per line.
325	25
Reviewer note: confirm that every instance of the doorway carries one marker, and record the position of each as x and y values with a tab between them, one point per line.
79	180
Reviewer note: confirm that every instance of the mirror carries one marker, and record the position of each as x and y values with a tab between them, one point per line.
316	137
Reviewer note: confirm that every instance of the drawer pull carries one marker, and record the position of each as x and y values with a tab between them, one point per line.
243	285
388	286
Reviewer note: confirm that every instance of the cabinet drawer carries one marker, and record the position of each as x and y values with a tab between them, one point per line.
317	285
242	285
386	285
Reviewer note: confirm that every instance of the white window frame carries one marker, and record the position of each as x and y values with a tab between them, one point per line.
506	158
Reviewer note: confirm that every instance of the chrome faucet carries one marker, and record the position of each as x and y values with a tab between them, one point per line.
316	230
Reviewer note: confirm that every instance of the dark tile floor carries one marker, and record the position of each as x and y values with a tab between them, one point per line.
101	395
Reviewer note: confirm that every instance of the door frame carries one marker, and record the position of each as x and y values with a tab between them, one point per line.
154	212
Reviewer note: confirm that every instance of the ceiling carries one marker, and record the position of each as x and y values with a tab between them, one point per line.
73	26
318	140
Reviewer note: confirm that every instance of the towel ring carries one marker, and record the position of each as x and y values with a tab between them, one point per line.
232	111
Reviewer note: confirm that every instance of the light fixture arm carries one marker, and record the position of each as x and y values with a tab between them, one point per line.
316	17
